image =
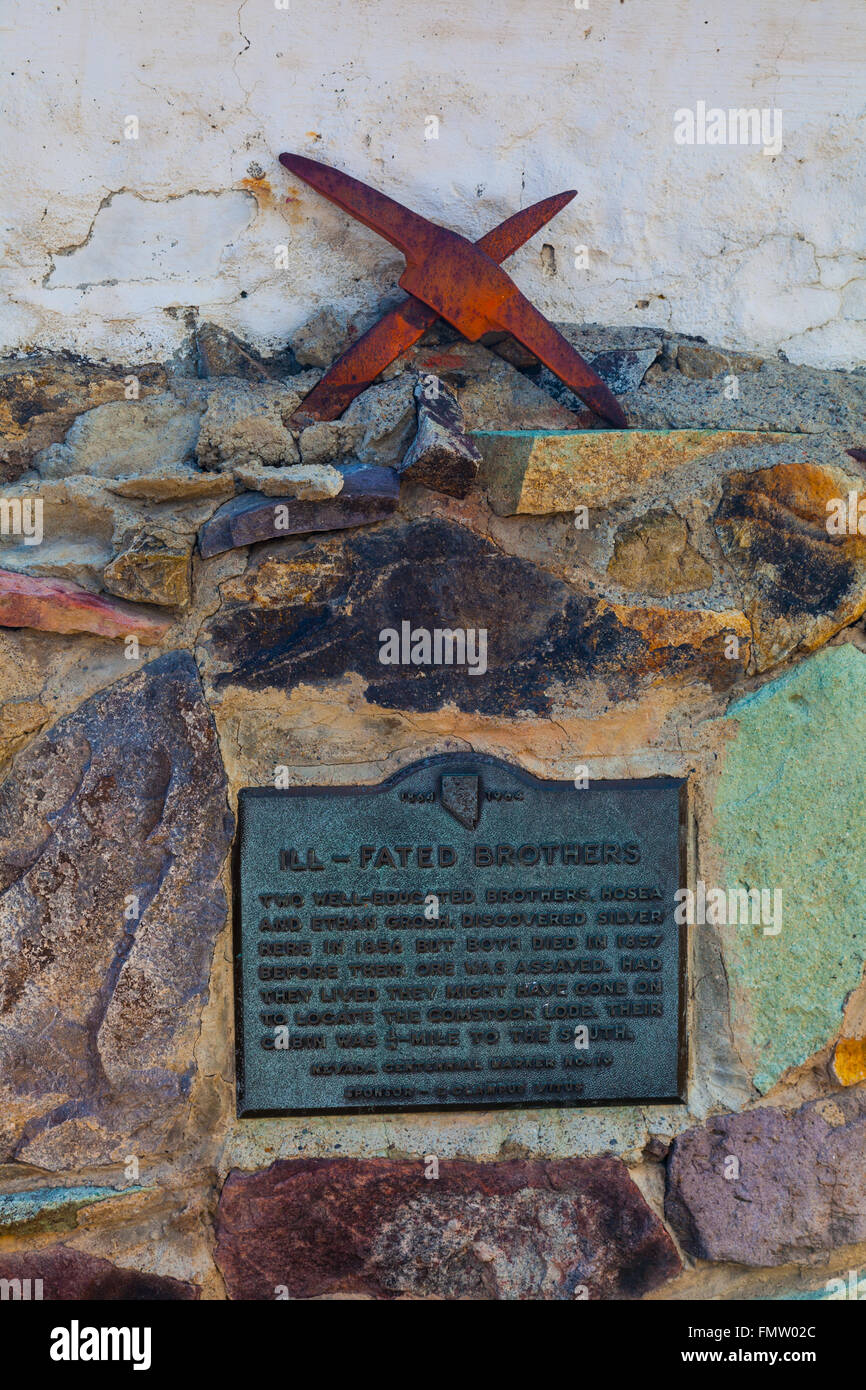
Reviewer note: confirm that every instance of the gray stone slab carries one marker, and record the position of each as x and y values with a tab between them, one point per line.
369	494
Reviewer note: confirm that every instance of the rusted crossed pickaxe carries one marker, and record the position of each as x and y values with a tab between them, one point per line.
446	275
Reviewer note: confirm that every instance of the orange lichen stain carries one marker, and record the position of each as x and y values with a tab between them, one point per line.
261	190
662	628
9	426
314	135
849	1060
292	206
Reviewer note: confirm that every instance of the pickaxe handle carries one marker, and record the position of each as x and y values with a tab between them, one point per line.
358	367
522	319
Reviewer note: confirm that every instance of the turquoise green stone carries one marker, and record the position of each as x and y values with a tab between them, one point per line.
52	1208
790	813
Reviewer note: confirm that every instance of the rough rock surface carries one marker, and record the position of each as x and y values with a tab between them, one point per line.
493	394
543	637
367	495
120	808
42	393
849	1061
800	583
125	437
620	357
513	1230
220	353
653	554
53	605
624	369
793	769
318	341
245	424
528	472
69	1274
591	658
699	362
376	428
306	482
85	521
42	1209
672	638
178	484
778	396
798	1188
441	456
153	567
79	522
689	383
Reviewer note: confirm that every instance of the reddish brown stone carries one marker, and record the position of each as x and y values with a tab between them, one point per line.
54	605
68	1274
377	1227
768	1186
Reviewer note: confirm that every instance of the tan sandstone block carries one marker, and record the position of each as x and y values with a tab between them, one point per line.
539	472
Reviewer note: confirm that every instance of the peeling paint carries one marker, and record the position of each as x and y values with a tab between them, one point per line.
136	240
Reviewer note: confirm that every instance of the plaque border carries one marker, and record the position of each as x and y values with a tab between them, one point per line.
371	788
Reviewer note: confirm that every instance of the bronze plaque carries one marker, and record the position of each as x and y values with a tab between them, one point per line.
461	936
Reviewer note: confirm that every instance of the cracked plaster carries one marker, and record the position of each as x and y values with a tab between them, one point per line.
189	214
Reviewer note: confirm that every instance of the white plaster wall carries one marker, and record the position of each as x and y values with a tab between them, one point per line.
110	241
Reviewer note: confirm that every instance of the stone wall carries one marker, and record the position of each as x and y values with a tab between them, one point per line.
663	600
